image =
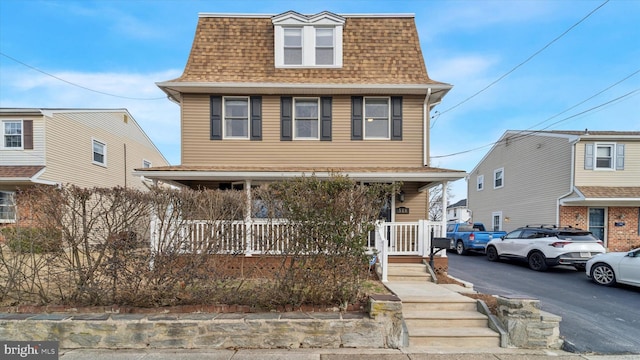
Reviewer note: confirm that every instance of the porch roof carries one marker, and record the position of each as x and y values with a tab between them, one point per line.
603	196
12	176
184	174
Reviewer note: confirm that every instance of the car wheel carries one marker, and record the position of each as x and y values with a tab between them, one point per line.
603	274
492	254
460	248
537	261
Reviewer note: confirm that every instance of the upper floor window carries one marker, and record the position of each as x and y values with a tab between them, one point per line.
376	118
324	46
236	118
146	164
293	46
480	182
305	118
308	40
99	153
12	134
7	207
604	156
498	178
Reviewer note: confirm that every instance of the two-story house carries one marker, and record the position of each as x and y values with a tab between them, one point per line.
585	179
83	147
271	97
459	212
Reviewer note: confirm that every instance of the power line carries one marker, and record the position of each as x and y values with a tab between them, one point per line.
527	135
522	63
74	84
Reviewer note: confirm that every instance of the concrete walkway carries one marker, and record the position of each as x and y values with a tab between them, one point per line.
330	354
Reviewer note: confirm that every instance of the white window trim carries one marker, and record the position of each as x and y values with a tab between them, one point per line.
146	161
295	118
15	210
500	220
480	183
224	118
495	173
104	149
308	24
613	157
2	129
364	120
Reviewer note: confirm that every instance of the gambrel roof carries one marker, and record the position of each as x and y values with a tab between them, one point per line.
238	50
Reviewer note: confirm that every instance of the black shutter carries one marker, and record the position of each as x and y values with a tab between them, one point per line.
27	133
356	117
325	119
286	119
216	118
396	118
256	118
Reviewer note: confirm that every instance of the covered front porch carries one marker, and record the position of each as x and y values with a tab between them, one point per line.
403	231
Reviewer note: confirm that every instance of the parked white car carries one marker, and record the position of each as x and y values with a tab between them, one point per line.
615	267
543	246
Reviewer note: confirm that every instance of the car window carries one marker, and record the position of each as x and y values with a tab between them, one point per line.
576	236
450	228
513	235
529	234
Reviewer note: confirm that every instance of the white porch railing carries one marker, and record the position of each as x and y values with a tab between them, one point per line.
272	237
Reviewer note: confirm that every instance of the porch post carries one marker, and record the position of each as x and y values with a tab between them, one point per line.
381	245
443	219
248	226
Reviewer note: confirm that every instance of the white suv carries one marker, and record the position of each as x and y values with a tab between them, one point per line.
543	246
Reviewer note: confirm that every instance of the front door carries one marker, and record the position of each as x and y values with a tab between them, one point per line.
597	222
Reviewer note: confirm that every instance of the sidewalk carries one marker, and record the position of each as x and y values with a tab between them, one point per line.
330	354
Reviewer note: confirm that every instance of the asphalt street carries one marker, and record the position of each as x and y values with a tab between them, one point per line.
595	319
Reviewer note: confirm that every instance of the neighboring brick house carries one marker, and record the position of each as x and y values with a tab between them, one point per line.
83	147
586	179
271	97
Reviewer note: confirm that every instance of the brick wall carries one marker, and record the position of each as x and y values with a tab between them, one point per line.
619	238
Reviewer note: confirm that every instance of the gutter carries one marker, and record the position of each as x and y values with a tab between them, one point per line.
572	180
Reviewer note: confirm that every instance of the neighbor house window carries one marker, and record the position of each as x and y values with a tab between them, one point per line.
376	118
308	40
236	118
99	153
498	178
7	207
146	164
12	134
324	46
604	156
306	114
480	182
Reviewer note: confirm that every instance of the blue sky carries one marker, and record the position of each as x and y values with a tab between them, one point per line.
123	47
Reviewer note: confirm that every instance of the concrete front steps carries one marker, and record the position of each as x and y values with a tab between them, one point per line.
435	316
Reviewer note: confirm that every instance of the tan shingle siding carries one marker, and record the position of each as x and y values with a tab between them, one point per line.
375	51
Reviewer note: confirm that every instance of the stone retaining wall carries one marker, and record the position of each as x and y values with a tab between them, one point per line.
528	326
379	328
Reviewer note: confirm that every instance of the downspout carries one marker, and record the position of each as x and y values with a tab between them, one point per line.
426	109
571	185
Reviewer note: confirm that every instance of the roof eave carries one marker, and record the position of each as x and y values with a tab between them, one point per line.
174	89
280	175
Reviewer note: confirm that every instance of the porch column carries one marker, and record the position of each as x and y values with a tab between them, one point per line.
443	217
248	226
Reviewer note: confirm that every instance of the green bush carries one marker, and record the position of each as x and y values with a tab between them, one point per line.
32	239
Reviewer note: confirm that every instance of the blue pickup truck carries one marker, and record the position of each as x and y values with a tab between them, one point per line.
470	237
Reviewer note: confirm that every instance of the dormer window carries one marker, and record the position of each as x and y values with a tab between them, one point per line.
308	40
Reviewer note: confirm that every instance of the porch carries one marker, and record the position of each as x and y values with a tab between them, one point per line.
389	242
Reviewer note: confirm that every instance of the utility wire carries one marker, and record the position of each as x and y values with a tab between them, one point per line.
533	131
74	84
522	63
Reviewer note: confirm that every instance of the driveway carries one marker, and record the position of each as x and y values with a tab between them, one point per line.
595	319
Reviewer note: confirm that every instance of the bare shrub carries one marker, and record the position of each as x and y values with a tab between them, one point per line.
162	247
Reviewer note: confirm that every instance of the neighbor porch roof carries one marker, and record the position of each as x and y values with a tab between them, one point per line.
603	196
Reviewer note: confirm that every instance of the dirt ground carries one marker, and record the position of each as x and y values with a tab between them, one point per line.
490	300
